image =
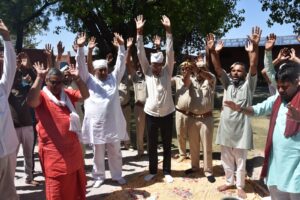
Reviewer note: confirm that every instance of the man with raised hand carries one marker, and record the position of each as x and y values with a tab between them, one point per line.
104	125
234	131
58	128
159	105
201	122
182	84
281	166
8	137
140	95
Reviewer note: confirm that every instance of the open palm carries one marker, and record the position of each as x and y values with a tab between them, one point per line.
40	69
139	21
81	39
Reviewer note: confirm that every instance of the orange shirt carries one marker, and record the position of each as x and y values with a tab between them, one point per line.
59	149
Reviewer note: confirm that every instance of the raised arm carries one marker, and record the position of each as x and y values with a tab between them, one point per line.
60	51
253	55
129	63
84	91
169	44
92	44
268	64
140	43
214	53
9	60
293	56
80	58
207	76
48	51
120	63
33	96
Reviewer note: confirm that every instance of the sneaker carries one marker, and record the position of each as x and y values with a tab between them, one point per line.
32	182
97	183
149	177
169	178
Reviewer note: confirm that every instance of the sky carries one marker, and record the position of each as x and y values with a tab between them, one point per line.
253	17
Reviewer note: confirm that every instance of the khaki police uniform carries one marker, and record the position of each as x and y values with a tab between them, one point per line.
201	124
182	101
140	95
124	95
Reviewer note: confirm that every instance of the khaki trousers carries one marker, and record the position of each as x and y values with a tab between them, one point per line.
201	130
127	114
140	119
182	131
7	174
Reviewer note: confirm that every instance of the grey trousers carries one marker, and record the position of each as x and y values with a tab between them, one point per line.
7	174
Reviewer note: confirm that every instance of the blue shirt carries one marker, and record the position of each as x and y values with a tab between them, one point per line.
284	162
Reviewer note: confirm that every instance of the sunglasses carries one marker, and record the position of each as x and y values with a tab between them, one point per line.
55	82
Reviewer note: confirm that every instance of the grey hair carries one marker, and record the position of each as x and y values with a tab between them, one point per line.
53	71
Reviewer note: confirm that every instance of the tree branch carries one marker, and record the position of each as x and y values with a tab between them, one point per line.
39	11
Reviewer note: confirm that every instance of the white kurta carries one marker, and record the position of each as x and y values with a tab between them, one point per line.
103	119
8	136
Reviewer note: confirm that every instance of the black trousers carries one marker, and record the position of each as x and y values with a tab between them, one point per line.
165	124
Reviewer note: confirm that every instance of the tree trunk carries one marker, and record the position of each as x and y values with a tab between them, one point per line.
19	41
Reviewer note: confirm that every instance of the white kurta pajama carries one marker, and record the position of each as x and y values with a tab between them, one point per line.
103	121
8	136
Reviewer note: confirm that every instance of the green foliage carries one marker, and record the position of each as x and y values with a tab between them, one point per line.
25	18
191	19
283	12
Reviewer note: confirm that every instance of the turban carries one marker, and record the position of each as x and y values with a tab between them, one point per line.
157	57
100	64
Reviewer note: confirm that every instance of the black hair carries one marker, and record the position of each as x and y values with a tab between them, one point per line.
239	63
288	71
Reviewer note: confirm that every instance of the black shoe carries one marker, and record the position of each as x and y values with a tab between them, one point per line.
211	179
189	171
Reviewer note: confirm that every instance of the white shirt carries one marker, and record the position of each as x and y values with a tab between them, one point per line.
103	120
159	102
8	136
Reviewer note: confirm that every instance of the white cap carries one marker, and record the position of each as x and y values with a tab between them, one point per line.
157	57
100	64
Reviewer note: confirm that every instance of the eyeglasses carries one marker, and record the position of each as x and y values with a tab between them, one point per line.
55	82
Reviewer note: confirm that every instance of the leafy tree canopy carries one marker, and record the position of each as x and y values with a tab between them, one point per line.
191	19
283	12
25	18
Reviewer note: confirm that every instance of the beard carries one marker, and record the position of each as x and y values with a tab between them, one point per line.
236	81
